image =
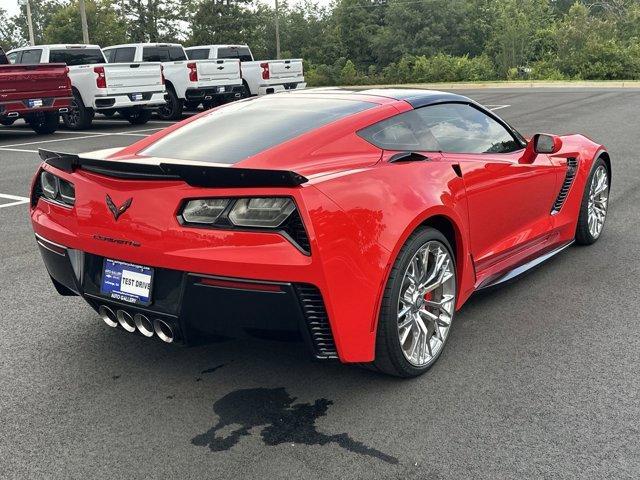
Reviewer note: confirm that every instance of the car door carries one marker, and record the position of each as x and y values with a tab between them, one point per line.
509	196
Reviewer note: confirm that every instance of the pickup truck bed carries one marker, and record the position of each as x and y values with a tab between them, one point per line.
37	93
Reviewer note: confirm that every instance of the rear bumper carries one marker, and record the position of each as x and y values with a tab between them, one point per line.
127	100
224	92
281	87
198	306
20	108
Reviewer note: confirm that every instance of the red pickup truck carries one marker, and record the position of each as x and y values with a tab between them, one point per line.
37	93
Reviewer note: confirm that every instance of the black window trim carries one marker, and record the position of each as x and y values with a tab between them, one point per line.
519	139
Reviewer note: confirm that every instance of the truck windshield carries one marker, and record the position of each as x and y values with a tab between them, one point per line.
77	56
242	129
243	53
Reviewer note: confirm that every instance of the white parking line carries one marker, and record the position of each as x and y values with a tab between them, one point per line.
17	200
497	107
18	150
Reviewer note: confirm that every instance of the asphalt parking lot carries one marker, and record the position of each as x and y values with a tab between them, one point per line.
540	378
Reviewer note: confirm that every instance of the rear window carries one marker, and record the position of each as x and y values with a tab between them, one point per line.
243	129
80	56
198	54
29	56
243	53
163	54
124	55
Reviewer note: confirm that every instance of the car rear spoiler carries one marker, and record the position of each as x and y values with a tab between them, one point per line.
194	175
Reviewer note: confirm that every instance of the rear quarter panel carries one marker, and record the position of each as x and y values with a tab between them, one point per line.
360	227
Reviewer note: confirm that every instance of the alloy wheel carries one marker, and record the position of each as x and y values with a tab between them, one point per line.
426	303
598	201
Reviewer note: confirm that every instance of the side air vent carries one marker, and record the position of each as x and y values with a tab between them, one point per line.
317	319
572	168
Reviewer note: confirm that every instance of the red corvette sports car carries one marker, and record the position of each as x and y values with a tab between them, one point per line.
360	220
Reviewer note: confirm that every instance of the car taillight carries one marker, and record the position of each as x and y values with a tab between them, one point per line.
66	72
53	188
101	79
162	75
276	214
193	72
265	71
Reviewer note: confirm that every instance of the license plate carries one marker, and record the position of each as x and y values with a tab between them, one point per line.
137	97
127	282
35	103
221	89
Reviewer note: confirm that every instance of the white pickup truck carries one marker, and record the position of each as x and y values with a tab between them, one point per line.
189	83
132	89
259	77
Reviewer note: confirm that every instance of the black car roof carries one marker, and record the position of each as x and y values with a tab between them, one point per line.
415	97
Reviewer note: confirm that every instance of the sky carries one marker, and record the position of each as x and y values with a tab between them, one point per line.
11	6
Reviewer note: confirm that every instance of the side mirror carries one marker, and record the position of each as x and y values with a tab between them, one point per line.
548	144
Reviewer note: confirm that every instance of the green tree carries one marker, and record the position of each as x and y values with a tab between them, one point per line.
41	14
105	26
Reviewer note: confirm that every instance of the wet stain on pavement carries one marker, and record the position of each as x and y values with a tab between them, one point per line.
212	369
283	420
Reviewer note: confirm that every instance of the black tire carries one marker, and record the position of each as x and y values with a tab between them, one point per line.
7	122
191	106
79	117
216	102
390	358
44	123
583	233
137	117
172	110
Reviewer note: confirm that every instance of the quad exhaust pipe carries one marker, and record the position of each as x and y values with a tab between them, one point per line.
140	322
163	330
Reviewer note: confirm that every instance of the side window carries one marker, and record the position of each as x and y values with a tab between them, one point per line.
109	55
13	57
31	56
460	128
405	131
198	54
124	55
449	127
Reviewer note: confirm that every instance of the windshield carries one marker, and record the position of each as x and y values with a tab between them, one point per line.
242	129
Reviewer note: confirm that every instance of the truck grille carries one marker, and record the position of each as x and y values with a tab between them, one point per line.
572	168
317	320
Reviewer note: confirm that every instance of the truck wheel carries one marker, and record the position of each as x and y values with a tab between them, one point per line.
172	110
79	117
137	116
7	122
44	123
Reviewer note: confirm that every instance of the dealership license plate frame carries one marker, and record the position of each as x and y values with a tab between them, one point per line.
114	292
